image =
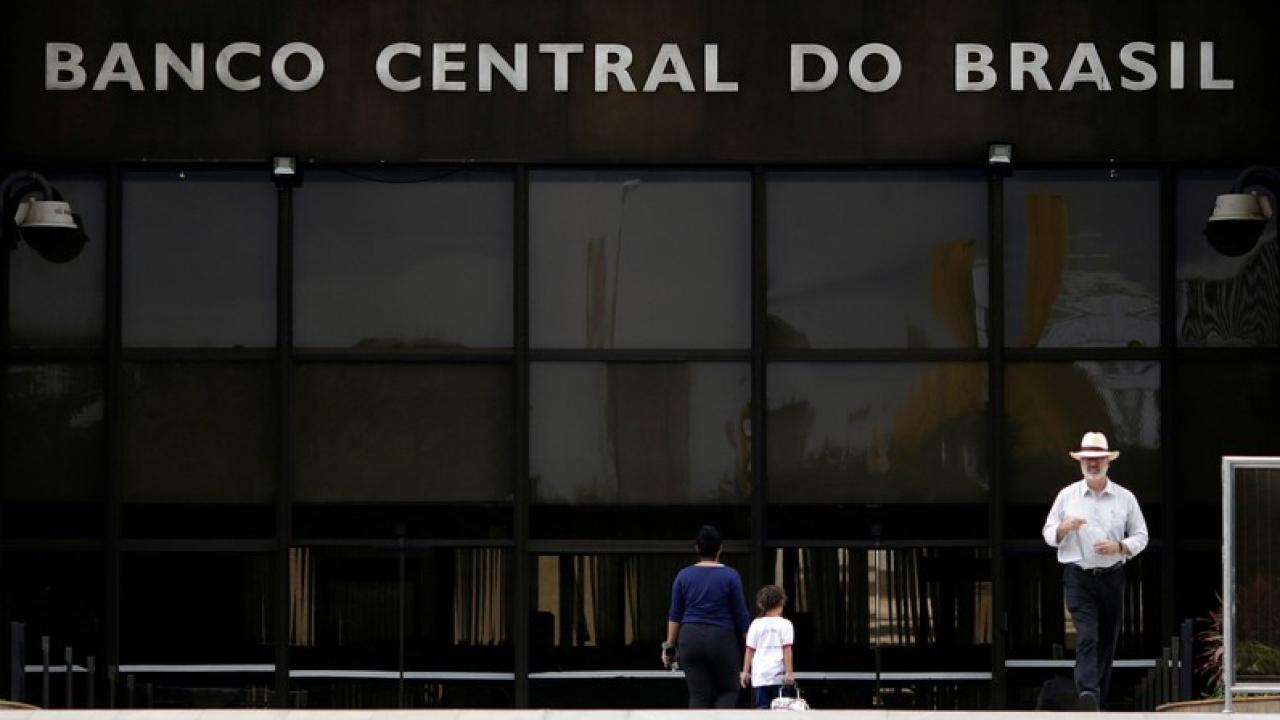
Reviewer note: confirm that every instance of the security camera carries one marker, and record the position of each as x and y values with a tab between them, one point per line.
1237	222
35	213
51	229
55	244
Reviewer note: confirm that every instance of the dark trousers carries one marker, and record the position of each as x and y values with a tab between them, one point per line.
1095	601
710	656
766	693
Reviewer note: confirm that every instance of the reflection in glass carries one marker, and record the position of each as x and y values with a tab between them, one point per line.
1224	408
1257	575
344	606
197	433
877	433
1039	624
61	304
844	599
1050	405
1083	259
199	259
640	434
605	611
391	433
877	259
52	433
1222	301
345	615
639	259
419	259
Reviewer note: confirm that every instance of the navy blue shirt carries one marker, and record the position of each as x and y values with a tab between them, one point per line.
709	595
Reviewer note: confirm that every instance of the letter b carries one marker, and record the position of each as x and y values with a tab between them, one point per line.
60	58
967	64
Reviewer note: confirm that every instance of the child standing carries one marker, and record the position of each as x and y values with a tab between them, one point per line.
767	661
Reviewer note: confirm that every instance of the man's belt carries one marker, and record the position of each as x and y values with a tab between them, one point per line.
1099	570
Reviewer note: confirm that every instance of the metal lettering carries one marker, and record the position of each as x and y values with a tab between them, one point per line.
799	51
971	58
314	61
383	67
222	66
60	58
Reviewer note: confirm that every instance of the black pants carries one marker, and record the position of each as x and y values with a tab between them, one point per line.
1095	601
710	656
766	693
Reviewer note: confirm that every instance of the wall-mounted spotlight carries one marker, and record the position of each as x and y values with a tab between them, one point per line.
1240	217
1000	158
35	213
284	169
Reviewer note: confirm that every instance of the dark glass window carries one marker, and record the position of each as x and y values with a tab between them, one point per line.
58	595
925	612
1256	573
1224	408
1198	592
60	304
877	259
199	259
346	620
419	259
655	438
1222	301
1082	259
198	629
1050	406
886	438
429	446
197	449
53	456
641	259
594	612
928	609
212	607
1040	625
1040	628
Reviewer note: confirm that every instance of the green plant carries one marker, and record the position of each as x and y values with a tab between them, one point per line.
1253	657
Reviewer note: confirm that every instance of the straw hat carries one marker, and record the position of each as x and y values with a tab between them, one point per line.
1094	445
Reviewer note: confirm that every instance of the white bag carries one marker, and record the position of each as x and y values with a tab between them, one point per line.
789	703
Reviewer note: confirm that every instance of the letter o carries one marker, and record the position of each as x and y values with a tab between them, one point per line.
313	59
890	78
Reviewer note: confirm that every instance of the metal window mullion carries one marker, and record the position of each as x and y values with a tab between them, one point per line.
1168	377
759	384
521	578
995	393
5	355
112	383
283	420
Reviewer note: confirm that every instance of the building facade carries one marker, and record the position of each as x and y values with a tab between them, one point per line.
433	420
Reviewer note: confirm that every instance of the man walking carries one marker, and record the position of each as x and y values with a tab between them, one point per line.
1096	525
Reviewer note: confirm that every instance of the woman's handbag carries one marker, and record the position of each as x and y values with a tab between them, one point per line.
783	702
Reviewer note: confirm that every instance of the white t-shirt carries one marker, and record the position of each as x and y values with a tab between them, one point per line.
768	636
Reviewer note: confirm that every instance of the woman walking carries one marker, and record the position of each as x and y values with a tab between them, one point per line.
707	619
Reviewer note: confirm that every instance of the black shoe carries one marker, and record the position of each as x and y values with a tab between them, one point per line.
1087	702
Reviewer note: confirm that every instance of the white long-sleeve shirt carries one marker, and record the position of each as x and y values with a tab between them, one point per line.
1112	514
